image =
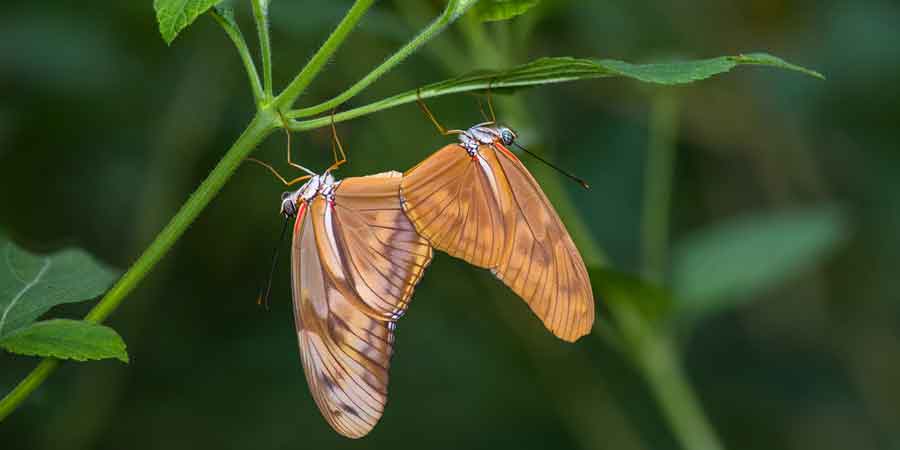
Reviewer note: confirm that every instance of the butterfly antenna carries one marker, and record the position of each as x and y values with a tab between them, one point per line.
263	298
568	174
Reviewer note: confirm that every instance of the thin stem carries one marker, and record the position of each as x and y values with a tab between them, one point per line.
265	121
652	348
261	15
657	358
452	12
225	18
657	185
261	126
287	98
27	386
386	103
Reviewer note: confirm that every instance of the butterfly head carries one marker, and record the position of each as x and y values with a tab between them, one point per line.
506	135
291	199
318	184
486	134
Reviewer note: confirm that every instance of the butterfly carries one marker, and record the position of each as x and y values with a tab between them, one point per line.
476	201
355	261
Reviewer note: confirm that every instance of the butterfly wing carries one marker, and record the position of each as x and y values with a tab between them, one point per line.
346	333
540	262
385	254
455	204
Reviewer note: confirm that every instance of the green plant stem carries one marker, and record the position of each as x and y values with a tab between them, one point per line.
299	84
261	15
656	357
261	126
453	10
386	103
27	386
657	185
651	348
234	32
264	122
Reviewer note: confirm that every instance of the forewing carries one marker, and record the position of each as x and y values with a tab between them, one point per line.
345	347
385	257
540	262
455	204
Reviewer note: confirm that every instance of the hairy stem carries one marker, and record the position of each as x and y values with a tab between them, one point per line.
386	103
261	15
27	386
264	122
259	128
452	12
225	18
299	84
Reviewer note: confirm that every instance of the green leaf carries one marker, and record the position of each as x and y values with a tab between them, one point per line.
652	301
32	284
563	69
66	339
175	15
727	263
555	70
496	10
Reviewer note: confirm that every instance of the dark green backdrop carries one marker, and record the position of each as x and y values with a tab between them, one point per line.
104	131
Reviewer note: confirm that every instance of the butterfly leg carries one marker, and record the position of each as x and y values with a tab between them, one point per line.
493	119
431	117
287	133
336	146
278	175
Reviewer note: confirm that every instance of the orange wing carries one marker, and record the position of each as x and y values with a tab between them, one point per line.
454	200
540	262
454	204
350	284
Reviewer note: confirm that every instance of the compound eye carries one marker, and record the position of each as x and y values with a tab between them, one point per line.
289	208
285	195
507	136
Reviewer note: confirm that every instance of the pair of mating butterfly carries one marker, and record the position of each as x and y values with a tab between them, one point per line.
361	244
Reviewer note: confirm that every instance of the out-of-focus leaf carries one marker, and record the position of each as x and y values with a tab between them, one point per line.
562	69
66	339
652	301
175	15
496	10
32	284
718	267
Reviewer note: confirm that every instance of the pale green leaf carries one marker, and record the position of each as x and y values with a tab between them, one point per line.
66	339
32	284
496	10
175	15
727	263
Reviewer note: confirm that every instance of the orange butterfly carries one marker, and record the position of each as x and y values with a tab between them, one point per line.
355	260
476	201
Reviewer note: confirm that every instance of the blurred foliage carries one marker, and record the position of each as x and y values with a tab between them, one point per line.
104	131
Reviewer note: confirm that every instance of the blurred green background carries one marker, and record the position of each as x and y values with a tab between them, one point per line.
104	131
